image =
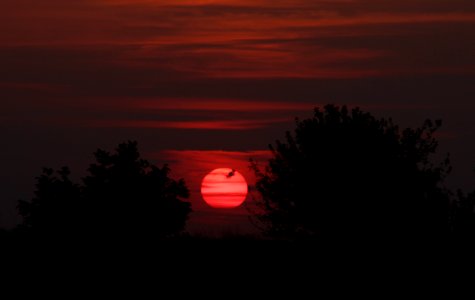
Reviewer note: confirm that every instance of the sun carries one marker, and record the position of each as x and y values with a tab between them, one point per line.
224	188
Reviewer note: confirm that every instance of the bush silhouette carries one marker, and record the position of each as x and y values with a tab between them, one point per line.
55	206
346	173
123	195
462	213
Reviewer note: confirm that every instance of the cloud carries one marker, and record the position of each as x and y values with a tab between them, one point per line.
198	104
191	125
244	39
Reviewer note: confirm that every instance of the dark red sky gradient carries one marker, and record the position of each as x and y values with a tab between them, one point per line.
221	75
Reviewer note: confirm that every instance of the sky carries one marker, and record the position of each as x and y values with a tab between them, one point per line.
197	82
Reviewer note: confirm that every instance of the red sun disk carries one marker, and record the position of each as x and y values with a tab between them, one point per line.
224	188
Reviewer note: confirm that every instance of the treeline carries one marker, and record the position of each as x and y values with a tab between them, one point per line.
342	173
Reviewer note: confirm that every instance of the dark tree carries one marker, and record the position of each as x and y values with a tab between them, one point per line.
54	209
123	195
346	173
129	195
463	215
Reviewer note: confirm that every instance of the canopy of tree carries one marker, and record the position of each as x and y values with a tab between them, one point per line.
346	173
122	195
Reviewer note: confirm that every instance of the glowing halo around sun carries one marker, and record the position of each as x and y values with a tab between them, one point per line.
224	188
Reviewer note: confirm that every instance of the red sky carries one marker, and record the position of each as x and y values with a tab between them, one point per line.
221	75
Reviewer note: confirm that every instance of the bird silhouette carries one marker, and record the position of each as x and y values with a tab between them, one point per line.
231	174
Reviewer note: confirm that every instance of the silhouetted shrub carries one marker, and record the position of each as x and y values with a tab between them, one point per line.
346	173
463	215
55	207
123	195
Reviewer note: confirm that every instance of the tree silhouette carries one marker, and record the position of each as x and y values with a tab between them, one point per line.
123	195
54	208
129	194
346	173
463	215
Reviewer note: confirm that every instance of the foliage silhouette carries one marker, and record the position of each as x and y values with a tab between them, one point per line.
123	195
346	173
462	214
55	205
